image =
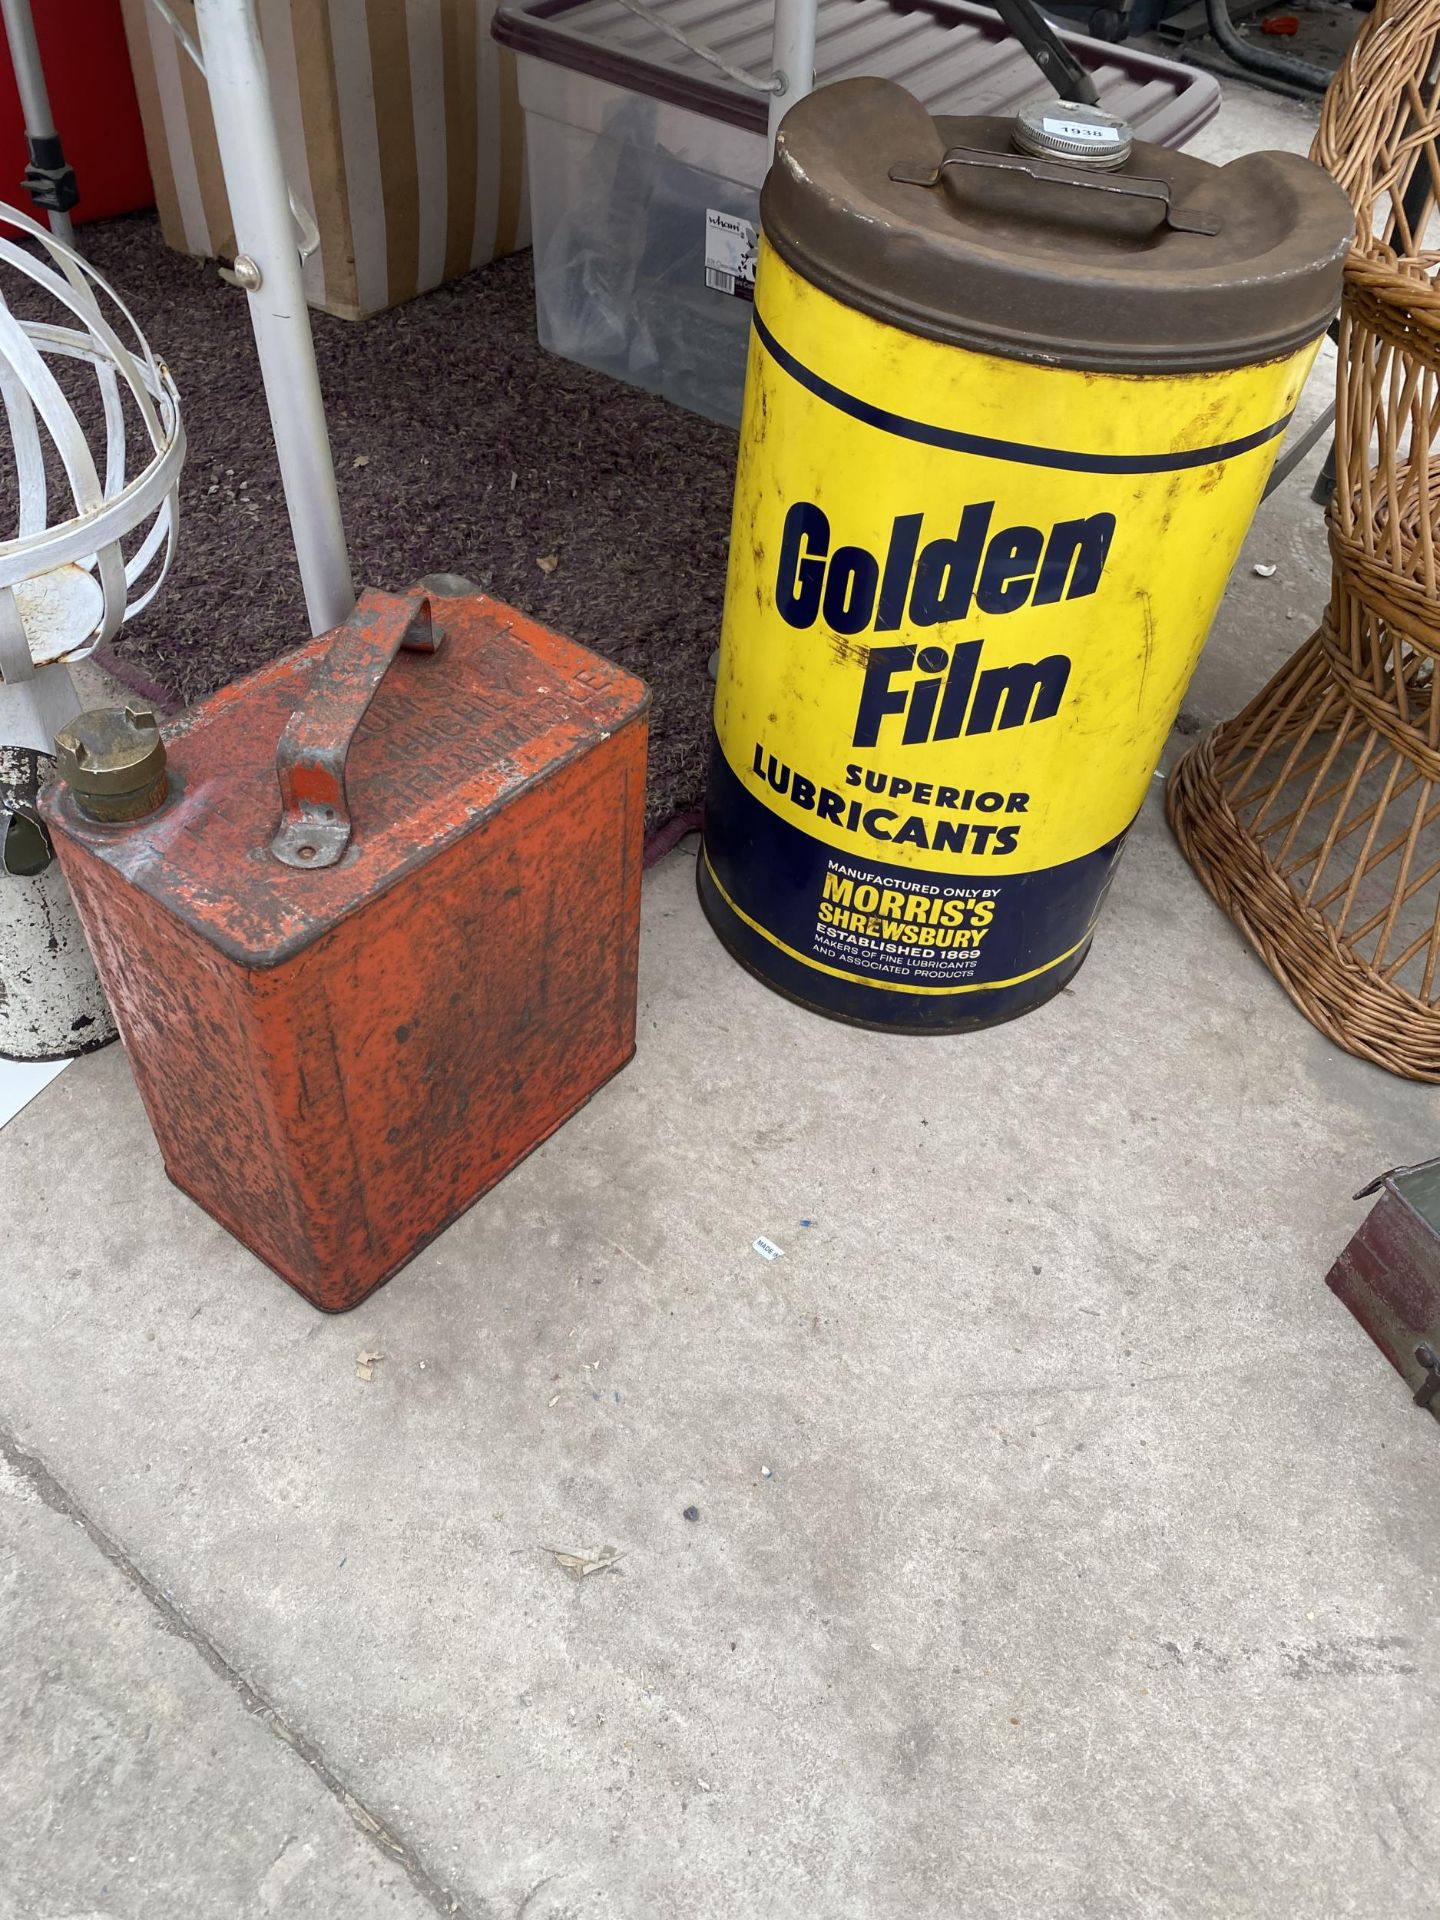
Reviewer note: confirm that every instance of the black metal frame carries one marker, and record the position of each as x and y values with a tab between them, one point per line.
1047	50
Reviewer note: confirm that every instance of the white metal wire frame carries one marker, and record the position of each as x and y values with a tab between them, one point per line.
137	486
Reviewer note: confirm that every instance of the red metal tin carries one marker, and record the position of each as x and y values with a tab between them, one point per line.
338	1059
1389	1276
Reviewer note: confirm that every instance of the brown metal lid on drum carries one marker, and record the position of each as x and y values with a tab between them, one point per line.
948	228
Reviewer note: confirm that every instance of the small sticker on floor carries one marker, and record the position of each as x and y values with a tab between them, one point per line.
731	245
768	1248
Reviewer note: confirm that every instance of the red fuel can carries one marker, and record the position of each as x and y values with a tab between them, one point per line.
365	957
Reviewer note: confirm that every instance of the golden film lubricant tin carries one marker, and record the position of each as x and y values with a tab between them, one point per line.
1013	393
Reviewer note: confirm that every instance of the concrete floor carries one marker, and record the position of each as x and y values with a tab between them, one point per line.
1093	1572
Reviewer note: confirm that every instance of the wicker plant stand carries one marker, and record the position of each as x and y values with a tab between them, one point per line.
1313	816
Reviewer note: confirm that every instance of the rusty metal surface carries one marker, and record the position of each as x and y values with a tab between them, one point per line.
430	758
315	826
1389	1277
337	1064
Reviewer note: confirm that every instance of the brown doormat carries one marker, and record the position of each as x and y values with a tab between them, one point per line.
460	447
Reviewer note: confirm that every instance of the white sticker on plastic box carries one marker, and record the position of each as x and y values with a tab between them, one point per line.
730	248
1083	131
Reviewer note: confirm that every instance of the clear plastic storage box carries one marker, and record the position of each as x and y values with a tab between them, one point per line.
645	162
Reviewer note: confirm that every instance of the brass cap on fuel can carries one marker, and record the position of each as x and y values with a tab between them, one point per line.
113	761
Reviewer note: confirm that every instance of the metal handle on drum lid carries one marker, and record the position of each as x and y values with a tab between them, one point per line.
1131	186
315	826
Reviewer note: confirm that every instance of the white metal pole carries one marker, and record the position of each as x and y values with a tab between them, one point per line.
268	267
34	94
792	59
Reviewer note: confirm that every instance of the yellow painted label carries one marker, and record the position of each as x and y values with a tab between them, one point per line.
966	595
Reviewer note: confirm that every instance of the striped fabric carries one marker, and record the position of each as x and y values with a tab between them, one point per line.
401	128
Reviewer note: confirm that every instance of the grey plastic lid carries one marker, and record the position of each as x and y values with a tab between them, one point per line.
1071	130
1037	260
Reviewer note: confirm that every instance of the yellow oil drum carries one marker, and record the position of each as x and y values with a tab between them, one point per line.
1014	390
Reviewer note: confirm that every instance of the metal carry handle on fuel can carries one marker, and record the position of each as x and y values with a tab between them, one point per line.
315	826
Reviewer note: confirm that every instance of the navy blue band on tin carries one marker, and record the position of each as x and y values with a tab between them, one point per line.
762	883
978	443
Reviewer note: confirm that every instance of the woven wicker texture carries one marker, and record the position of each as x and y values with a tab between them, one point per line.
1313	816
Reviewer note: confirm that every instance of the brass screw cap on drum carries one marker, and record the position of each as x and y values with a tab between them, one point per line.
1069	130
113	761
